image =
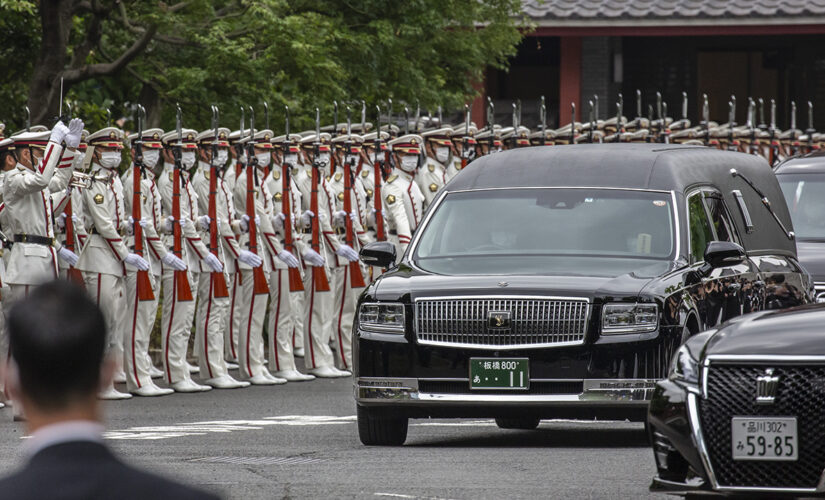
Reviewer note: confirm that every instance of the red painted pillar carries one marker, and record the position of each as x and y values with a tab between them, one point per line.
570	71
478	109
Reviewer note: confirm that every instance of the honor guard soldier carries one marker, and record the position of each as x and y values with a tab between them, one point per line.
461	156
74	210
178	310
367	173
319	304
403	200
348	222
255	202
286	284
141	311
105	257
433	176
215	199
28	200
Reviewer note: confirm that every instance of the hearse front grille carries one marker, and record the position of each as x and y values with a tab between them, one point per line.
470	322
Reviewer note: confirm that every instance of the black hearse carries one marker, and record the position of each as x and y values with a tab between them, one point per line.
802	179
743	409
558	282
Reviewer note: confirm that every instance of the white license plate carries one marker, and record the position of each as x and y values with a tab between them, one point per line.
764	438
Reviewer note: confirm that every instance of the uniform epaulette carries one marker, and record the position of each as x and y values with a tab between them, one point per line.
391	178
338	176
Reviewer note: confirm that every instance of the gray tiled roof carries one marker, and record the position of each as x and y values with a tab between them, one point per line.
670	9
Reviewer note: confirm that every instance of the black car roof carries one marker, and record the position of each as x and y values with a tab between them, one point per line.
811	163
662	167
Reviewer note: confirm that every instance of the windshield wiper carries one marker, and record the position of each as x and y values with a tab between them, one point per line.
765	201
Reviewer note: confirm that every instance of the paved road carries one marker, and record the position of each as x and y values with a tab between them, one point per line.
300	441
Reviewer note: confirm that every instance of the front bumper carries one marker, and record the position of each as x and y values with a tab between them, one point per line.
598	398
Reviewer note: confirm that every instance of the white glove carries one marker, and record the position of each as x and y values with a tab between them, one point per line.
73	136
339	218
213	262
249	258
347	252
306	218
245	222
59	133
168	224
313	258
172	260
67	256
278	221
203	222
61	221
137	261
130	228
287	258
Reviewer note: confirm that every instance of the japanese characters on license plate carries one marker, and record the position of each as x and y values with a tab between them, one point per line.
764	438
499	373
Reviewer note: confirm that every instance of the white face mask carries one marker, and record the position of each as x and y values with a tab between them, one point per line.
151	157
223	155
263	159
323	159
442	154
409	163
109	159
291	159
187	159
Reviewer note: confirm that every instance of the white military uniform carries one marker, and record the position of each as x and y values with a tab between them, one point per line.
458	135
177	316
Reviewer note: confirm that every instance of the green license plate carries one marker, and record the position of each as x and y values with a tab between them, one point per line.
499	373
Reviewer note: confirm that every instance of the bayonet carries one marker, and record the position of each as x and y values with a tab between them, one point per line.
286	114
762	124
639	106
406	120
349	124
592	120
793	118
334	118
266	114
417	114
596	107
364	117
684	105
440	119
572	123
28	119
518	105
543	117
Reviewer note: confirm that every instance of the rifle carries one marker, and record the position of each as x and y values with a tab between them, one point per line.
793	149
319	277
296	283
378	167
774	152
543	120
810	130
239	148
220	290
491	115
356	278
465	142
73	273
258	279
181	283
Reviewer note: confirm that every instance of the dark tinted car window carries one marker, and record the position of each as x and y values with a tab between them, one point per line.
700	231
720	218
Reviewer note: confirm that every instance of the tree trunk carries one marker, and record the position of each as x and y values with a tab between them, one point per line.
150	99
44	89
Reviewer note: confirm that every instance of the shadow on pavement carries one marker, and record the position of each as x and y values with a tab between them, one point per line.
544	436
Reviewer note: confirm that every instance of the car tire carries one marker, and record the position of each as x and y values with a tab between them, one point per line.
376	428
527	424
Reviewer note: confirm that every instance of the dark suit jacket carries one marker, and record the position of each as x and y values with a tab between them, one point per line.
88	470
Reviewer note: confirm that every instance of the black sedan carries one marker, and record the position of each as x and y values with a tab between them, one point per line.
743	409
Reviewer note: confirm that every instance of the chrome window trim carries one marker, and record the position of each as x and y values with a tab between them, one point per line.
584	300
413	246
695	425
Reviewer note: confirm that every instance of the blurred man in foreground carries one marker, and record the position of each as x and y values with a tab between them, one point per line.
57	337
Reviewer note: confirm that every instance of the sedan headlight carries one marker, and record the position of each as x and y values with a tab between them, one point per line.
382	318
684	367
619	318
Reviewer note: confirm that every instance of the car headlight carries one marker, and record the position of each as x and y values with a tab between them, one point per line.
621	318
684	367
382	318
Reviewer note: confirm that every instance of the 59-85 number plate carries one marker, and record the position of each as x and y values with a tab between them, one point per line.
765	438
499	373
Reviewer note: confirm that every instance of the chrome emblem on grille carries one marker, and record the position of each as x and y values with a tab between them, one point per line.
503	284
498	320
766	387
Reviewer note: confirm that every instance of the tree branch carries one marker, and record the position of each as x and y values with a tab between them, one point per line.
102	69
178	6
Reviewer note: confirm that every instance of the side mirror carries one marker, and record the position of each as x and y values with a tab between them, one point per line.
724	253
378	254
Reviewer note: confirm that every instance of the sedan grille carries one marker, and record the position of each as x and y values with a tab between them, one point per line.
466	322
732	392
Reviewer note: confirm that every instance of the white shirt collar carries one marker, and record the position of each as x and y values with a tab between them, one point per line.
63	432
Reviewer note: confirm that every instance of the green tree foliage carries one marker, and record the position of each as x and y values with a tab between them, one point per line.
301	53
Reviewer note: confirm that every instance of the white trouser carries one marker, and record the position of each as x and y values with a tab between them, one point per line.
297	301
346	298
175	327
107	291
252	310
209	328
318	310
281	325
232	319
140	318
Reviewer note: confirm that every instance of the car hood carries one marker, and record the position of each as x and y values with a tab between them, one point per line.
407	283
797	331
812	257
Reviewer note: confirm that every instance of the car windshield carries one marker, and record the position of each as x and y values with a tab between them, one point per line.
548	231
805	195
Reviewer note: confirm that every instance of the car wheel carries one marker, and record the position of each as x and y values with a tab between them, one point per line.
527	424
376	428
